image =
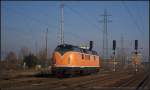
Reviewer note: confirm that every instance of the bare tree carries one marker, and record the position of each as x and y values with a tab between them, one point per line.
42	57
24	51
11	58
31	60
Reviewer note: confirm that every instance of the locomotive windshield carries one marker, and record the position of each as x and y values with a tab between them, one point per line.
65	48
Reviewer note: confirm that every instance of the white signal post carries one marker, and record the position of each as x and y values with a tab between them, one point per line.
114	62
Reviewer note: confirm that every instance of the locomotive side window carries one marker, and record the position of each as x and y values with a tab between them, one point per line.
94	57
94	53
85	51
88	57
82	56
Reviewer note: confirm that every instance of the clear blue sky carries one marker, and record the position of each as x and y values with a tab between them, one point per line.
24	23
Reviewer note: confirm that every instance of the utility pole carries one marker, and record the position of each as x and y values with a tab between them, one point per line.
62	23
46	36
122	50
105	34
36	49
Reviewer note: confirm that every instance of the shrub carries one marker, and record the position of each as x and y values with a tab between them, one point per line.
30	60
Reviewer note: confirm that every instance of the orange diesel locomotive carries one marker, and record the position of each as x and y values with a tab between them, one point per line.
72	60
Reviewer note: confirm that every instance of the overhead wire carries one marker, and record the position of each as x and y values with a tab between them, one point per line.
83	17
34	19
140	17
135	21
38	21
45	24
132	18
76	35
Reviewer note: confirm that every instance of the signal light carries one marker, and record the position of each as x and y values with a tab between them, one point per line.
136	44
91	45
114	44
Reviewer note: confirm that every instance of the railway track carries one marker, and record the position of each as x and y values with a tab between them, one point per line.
82	82
136	82
87	83
56	83
34	82
143	85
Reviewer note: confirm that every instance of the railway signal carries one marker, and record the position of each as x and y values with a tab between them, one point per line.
91	45
114	61
136	58
136	46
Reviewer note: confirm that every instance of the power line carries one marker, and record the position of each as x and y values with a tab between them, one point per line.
141	20
34	19
76	35
83	17
39	21
132	17
62	24
134	20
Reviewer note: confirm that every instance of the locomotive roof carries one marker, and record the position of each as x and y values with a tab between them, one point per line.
79	49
